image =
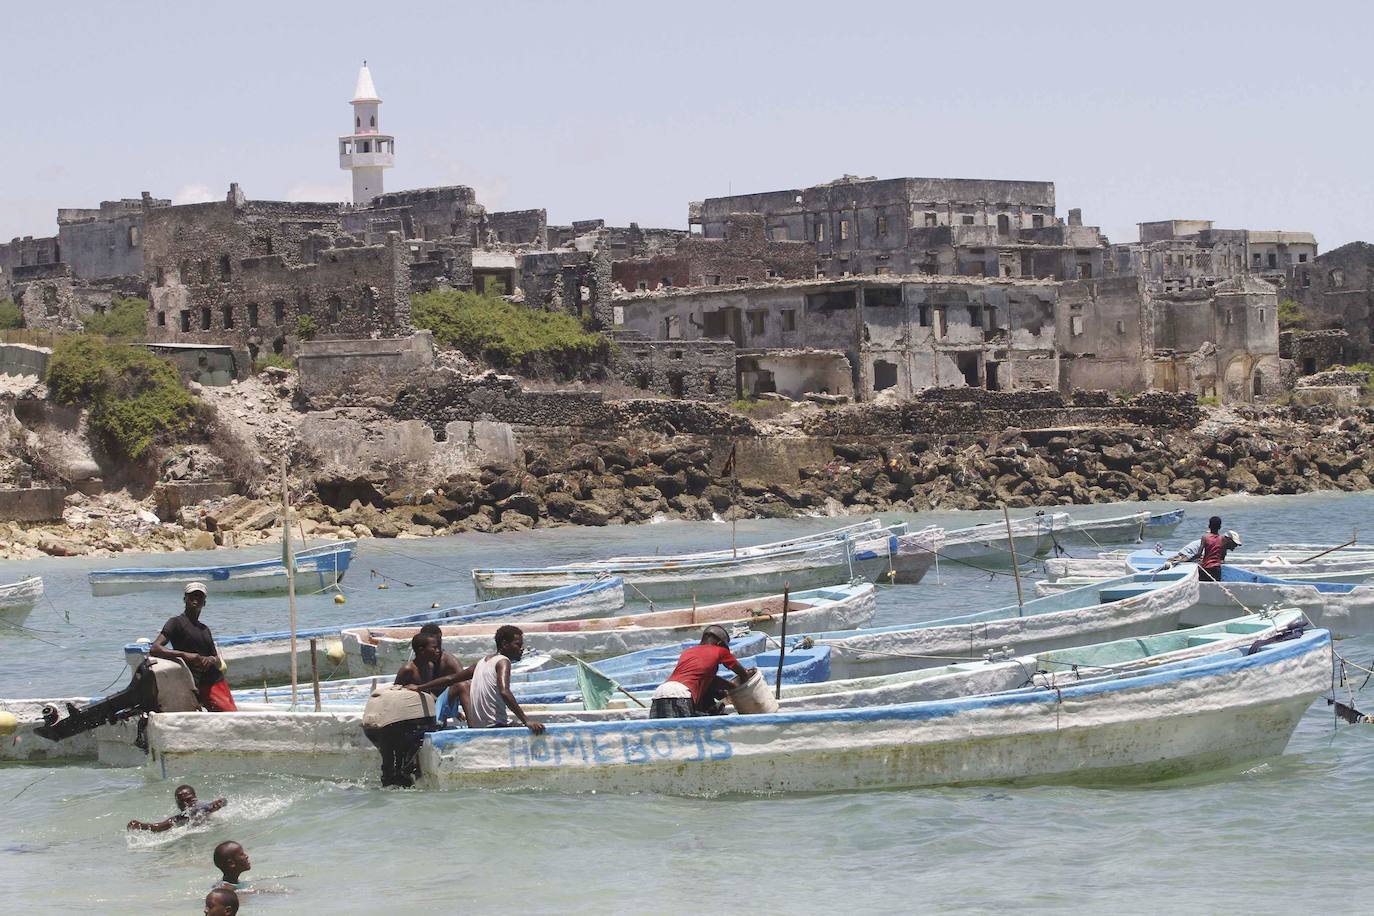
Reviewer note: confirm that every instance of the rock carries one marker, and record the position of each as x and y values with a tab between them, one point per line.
589	513
201	540
514	521
523	503
1240	480
560	505
671	485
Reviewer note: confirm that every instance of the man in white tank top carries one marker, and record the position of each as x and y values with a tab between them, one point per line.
490	697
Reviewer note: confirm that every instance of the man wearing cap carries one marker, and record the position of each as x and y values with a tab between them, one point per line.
1208	552
693	688
186	638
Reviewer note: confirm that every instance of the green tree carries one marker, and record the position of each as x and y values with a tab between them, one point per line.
126	319
503	333
134	398
1291	315
10	316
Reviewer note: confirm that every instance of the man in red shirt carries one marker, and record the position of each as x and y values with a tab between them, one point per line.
692	687
1208	552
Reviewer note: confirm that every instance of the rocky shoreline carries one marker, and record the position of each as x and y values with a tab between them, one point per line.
1260	451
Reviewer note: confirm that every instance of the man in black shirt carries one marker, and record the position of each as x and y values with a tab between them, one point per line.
191	641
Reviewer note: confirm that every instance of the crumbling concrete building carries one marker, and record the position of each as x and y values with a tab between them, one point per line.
886	336
1181	254
862	336
1336	290
743	254
944	226
1221	342
260	275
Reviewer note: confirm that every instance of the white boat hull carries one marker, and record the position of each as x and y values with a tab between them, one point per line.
868	556
268	661
890	650
383	655
1220	713
18	599
1345	615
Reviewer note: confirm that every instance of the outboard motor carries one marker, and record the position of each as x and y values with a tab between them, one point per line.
396	720
158	685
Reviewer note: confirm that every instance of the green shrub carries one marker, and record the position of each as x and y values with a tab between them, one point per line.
1209	400
134	398
127	319
10	316
503	333
273	360
306	327
1291	315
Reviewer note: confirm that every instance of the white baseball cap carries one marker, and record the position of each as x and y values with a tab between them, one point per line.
1235	538
196	587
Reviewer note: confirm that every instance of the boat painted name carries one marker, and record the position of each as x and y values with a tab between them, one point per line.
682	745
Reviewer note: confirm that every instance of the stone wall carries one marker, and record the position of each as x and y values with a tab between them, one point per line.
35	504
961	411
516	227
247	274
51	298
701	370
361	371
1336	290
1314	351
23	359
423	213
574	281
745	254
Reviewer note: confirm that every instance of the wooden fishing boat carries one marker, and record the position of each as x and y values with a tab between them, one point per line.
986	546
1344	608
317	569
258	659
1336	567
1093	532
1055	667
878	555
17	600
1219	710
383	650
1164	524
546	674
1135	605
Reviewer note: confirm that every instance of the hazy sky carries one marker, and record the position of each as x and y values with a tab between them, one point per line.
1254	115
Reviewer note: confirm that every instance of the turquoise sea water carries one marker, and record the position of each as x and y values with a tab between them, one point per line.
1284	834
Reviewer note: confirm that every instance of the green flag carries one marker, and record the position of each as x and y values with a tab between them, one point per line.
596	688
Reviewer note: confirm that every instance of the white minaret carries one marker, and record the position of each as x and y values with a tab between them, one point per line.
365	152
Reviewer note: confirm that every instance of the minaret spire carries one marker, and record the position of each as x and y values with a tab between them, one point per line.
366	152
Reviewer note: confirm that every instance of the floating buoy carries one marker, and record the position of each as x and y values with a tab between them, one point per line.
434	605
381	585
335	652
338	599
9	723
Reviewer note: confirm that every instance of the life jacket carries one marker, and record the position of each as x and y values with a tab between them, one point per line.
1213	551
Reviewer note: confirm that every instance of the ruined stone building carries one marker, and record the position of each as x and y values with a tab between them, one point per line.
1336	290
743	254
945	226
1182	254
863	337
96	257
259	275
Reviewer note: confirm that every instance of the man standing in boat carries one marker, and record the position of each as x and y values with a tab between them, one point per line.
693	688
184	637
1208	552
